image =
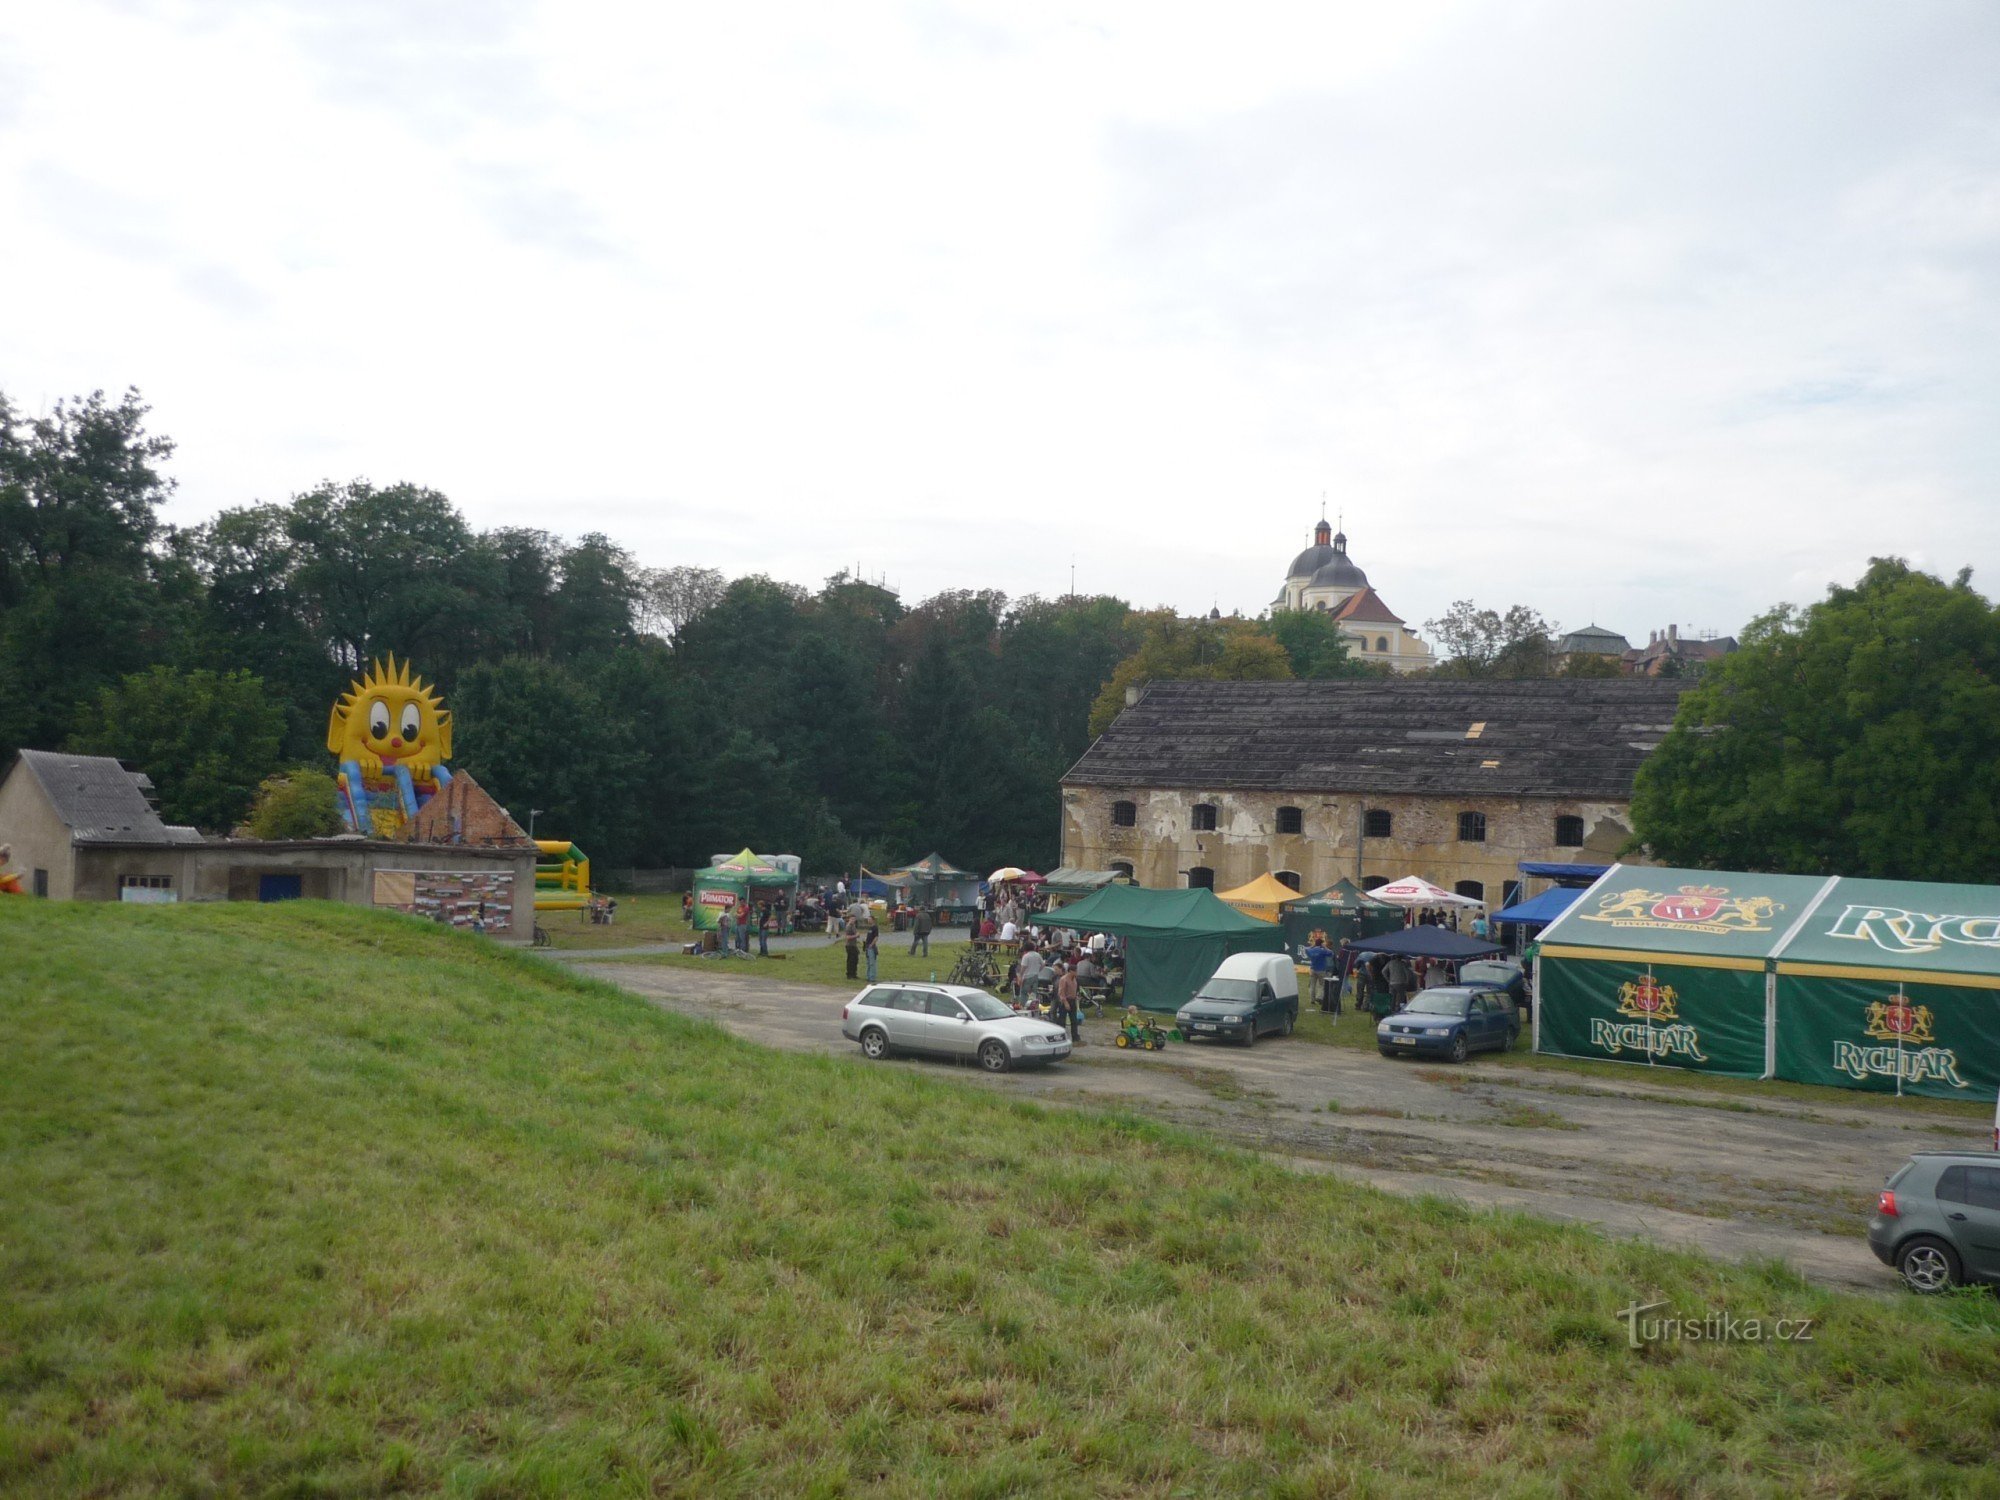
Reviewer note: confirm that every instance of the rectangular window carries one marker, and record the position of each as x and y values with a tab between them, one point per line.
1201	878
1472	828
1378	824
1204	817
146	882
1569	833
1124	814
1291	820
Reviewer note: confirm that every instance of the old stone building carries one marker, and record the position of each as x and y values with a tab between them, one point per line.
1215	783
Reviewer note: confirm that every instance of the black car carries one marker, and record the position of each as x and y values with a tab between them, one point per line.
1938	1220
1497	974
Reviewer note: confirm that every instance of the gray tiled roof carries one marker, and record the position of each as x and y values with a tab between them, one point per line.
101	801
1554	737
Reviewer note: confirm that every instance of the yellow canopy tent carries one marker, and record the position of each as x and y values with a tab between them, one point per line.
1261	898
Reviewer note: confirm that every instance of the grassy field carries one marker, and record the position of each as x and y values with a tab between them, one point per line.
320	1201
641	919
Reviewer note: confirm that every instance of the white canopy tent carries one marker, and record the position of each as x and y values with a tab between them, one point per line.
1414	890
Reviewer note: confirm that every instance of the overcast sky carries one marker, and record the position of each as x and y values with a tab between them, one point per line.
1634	313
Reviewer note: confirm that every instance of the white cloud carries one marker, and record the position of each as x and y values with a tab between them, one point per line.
1635	313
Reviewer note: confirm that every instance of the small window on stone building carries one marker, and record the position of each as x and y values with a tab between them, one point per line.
1204	817
1201	878
1381	643
1472	828
1121	867
1510	893
1291	820
1369	882
1124	814
1378	824
1290	878
1569	833
1471	889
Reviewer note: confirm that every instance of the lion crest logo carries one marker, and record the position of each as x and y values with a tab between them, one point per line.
1646	999
1693	908
1897	1020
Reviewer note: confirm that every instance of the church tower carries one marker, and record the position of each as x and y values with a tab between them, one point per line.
1324	577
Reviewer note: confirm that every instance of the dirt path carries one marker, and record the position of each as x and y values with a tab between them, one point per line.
1734	1178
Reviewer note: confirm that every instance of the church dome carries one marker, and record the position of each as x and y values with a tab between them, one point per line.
1315	557
1337	571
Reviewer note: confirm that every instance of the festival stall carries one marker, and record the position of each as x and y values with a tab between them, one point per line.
1066	884
1889	986
1426	941
1173	939
938	884
1262	898
1340	911
1414	890
744	876
1892	986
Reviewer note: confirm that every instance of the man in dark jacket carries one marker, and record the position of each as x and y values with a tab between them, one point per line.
920	932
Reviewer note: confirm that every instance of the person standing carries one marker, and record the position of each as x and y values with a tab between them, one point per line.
1400	980
764	921
1319	959
1068	1008
853	953
871	948
725	926
920	932
743	927
1031	973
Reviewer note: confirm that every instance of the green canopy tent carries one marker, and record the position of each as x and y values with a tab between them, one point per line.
1893	986
1667	967
937	883
1173	939
1068	884
1341	911
737	877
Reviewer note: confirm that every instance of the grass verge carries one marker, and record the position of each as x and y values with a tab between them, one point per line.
318	1200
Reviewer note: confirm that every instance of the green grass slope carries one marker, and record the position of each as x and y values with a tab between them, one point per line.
312	1200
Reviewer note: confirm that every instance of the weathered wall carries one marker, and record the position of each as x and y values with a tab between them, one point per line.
39	837
1424	841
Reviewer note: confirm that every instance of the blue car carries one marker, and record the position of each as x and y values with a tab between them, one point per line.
1451	1022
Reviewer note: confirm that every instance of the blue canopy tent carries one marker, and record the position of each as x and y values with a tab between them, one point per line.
1539	911
1427	942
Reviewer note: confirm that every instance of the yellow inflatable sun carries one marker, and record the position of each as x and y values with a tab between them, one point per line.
392	737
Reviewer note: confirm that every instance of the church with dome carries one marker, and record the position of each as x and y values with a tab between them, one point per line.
1324	577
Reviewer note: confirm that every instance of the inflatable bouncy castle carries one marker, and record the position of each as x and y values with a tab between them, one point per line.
392	737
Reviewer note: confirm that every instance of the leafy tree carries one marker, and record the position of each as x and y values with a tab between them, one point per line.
670	598
299	804
205	738
1484	643
1316	646
536	733
1191	650
1855	737
82	596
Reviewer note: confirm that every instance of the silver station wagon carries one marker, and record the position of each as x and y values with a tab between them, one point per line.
950	1021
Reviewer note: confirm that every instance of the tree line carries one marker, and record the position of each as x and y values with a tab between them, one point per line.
660	715
653	715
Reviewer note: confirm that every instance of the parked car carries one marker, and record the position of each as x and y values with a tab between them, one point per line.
1497	974
949	1020
1451	1021
1938	1220
1251	993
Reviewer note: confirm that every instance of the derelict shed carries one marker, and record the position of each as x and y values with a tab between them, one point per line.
1173	939
1894	986
1668	967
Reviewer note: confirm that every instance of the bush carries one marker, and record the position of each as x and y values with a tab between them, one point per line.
295	805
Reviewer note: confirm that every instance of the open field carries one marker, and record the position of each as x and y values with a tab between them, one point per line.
317	1200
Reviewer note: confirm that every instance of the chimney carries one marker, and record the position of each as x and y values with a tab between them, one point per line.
1673	632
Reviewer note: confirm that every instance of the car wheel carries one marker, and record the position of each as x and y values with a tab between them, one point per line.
1250	1033
1928	1265
1458	1047
993	1056
1291	1020
874	1044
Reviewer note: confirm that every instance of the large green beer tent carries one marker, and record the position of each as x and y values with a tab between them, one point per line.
738	877
1173	939
1893	986
1882	985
